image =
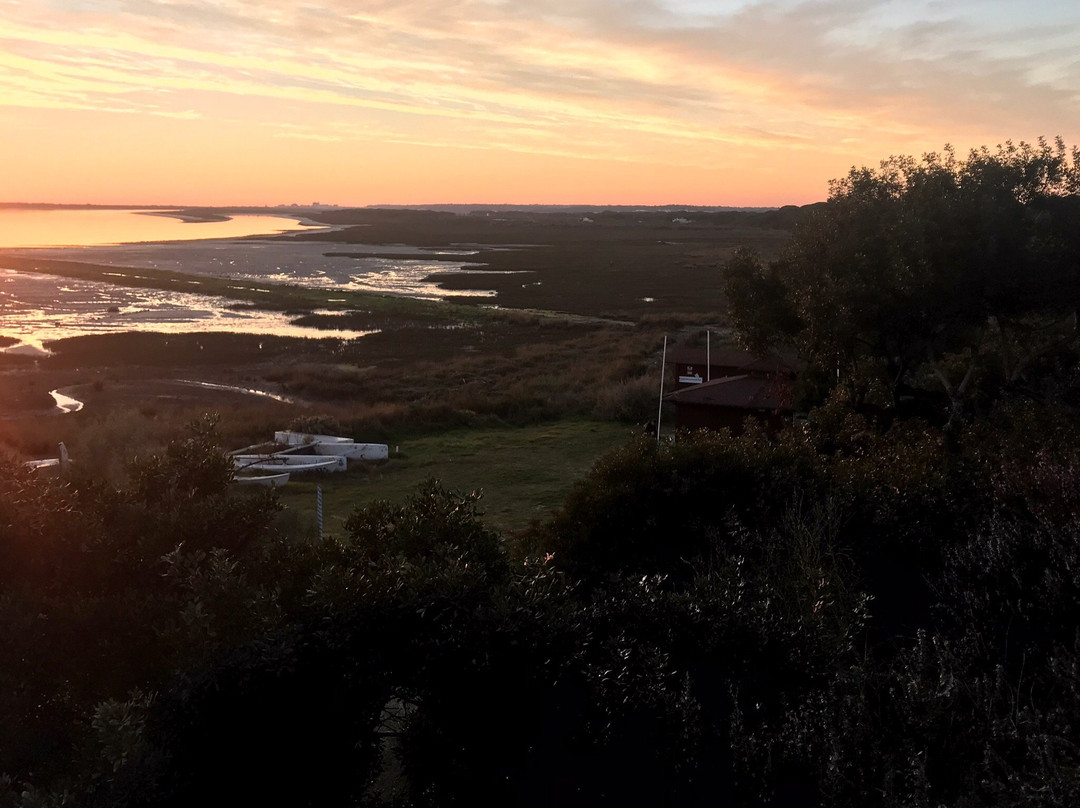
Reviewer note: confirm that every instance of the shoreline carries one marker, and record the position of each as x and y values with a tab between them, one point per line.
186	218
76	228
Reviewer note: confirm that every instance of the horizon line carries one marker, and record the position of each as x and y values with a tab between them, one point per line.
385	205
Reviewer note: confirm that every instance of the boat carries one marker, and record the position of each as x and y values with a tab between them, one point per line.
48	463
291	463
288	459
305	451
331	445
270	480
51	462
353	451
290	438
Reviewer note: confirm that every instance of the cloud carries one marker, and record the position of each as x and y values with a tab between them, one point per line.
941	73
622	60
660	80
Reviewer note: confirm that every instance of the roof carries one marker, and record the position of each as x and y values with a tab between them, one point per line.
738	392
719	356
733	358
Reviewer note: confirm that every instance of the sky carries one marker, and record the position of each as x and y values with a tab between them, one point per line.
650	102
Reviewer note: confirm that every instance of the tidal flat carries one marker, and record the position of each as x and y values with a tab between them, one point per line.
544	317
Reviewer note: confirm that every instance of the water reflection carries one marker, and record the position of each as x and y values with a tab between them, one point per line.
251	391
20	227
37	308
66	404
302	263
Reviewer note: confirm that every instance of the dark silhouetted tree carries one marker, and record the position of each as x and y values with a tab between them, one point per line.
941	272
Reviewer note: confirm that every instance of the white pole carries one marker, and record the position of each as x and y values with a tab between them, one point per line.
660	406
708	355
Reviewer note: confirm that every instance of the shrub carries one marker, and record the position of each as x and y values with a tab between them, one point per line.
632	400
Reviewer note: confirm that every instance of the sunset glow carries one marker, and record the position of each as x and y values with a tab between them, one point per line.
222	102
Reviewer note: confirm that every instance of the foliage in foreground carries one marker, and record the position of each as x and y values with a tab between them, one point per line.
845	615
838	618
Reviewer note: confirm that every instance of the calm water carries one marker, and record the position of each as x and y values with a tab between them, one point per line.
83	228
36	308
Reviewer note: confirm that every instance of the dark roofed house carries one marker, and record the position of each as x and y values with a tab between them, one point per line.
697	365
729	401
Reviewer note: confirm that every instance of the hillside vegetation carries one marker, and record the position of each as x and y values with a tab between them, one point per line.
876	607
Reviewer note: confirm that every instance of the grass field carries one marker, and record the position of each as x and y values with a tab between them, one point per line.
524	472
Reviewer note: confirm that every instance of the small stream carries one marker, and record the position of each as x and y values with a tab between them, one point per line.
64	403
233	389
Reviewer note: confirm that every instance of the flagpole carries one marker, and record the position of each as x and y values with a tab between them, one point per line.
660	405
708	355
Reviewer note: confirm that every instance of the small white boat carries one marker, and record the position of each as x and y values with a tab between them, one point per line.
323	466
290	438
333	445
288	459
51	462
353	451
271	480
291	463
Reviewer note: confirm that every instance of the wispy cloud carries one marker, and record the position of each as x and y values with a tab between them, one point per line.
659	82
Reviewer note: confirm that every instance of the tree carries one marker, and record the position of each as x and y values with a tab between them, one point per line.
94	581
941	272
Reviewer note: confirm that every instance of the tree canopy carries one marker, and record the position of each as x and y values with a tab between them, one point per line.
942	272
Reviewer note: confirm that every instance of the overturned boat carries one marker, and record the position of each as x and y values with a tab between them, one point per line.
332	445
58	462
297	452
268	480
292	463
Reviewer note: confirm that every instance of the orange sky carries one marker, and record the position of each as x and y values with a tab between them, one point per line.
709	102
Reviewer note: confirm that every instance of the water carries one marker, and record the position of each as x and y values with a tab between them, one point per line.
302	263
251	391
64	403
36	308
29	227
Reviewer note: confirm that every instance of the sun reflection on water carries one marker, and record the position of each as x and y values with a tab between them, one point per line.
22	227
36	309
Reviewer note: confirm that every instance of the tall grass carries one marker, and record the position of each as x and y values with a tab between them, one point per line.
532	370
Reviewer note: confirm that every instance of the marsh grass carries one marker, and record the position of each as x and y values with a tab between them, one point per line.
20	393
527	371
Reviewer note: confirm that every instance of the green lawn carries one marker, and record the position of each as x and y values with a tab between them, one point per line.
524	472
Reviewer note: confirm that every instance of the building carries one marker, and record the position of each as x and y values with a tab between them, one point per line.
727	402
698	365
721	388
